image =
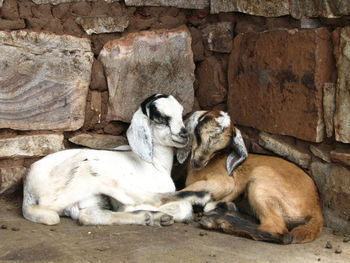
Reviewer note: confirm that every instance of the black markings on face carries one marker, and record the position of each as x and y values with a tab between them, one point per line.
157	116
187	194
147	102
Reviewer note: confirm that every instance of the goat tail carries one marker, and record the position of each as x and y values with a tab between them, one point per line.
308	231
35	213
233	224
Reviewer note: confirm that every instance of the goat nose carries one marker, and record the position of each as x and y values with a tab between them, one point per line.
183	133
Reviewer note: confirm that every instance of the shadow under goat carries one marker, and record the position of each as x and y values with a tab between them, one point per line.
282	196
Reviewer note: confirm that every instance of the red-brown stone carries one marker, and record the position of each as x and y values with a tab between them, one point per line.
276	80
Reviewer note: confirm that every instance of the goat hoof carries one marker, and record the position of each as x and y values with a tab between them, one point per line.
166	220
158	219
207	223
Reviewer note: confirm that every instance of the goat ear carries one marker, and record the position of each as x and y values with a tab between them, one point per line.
239	153
140	136
190	123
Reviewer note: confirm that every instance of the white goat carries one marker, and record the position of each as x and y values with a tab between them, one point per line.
73	182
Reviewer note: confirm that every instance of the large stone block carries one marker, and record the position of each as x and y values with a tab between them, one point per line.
144	63
333	182
30	145
194	4
285	147
271	8
276	79
316	8
103	24
218	37
342	109
98	141
44	80
11	178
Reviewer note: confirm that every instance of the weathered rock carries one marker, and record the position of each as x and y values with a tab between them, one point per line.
211	80
9	10
329	107
197	44
56	2
333	182
284	147
31	145
93	113
98	141
322	151
11	178
218	37
115	127
276	81
98	79
193	4
144	63
103	24
1	2
7	24
341	155
317	8
271	8
44	80
342	111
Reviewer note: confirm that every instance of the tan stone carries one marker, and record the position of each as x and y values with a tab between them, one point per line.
7	24
333	182
44	80
329	107
98	141
193	4
11	178
98	79
342	111
341	155
276	81
284	147
30	145
322	151
103	24
144	63
271	8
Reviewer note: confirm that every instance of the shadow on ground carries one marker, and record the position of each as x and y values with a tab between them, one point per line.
24	241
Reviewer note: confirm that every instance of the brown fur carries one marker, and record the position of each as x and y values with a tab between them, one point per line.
279	193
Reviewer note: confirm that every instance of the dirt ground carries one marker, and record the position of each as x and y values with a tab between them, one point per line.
24	241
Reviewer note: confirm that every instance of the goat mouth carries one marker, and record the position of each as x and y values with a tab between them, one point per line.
182	143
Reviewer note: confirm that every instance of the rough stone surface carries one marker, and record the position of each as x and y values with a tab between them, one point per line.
342	112
103	24
218	37
322	151
93	113
329	107
271	8
11	178
56	2
1	2
7	24
211	80
278	88
341	155
98	141
144	63
98	79
193	4
44	80
285	148
30	145
317	8
333	182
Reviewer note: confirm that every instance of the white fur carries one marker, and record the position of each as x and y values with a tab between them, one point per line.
224	120
71	182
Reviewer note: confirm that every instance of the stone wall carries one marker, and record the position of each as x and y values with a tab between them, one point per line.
72	72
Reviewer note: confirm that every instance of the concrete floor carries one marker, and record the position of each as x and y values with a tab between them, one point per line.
24	241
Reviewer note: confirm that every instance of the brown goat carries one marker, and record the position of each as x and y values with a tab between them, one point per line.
281	195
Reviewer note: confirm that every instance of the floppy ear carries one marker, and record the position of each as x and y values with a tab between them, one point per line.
190	124
140	136
239	153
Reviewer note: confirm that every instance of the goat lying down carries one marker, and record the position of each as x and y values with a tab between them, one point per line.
281	195
75	182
